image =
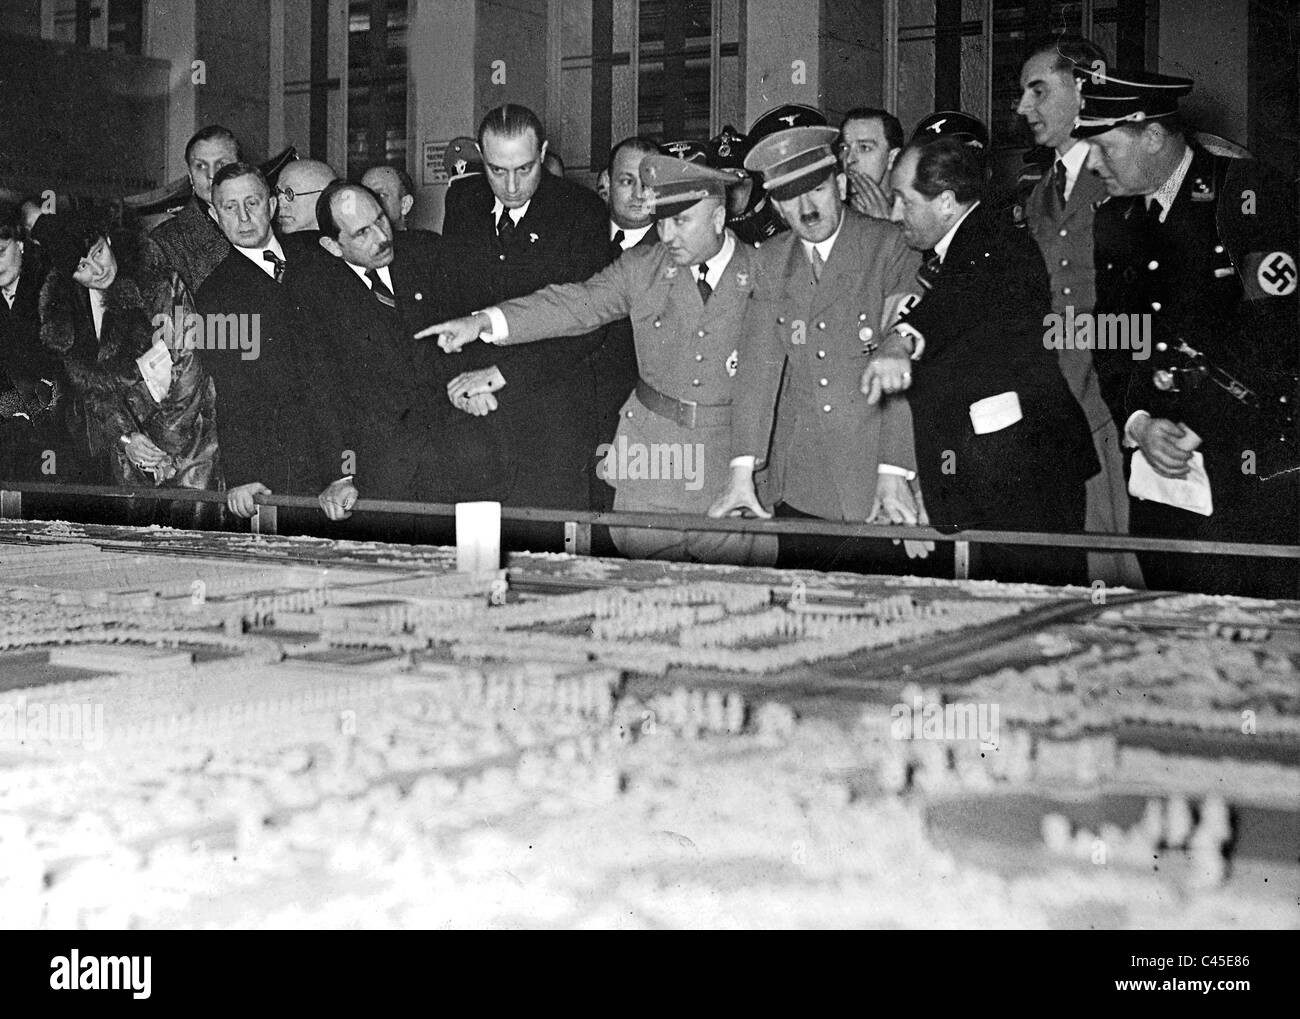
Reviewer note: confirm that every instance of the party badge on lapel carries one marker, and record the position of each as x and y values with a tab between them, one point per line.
742	279
733	363
419	296
532	238
670	272
1202	191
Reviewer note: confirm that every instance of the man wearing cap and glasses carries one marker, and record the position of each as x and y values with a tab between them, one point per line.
1203	248
685	296
823	297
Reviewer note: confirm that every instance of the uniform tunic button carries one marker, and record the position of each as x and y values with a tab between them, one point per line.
501	257
826	407
699	357
1153	265
1064	233
1218	249
823	382
701	334
629	413
1065	291
695	382
862	316
780	320
657	323
821	353
821	325
1155	305
1064	262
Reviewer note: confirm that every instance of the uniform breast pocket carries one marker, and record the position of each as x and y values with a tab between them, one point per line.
649	314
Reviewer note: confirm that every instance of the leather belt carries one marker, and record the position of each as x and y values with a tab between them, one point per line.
686	413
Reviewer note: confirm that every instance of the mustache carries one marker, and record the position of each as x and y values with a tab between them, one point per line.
808	218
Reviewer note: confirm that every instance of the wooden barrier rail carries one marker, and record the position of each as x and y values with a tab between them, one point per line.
578	523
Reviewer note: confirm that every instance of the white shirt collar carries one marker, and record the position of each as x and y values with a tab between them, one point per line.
631	238
515	214
1074	160
941	249
384	275
1168	191
716	265
97	310
254	255
823	247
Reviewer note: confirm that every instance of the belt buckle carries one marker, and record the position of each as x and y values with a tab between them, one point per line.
686	413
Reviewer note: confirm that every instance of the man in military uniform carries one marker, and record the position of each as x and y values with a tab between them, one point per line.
1200	249
756	218
686	297
823	295
1059	211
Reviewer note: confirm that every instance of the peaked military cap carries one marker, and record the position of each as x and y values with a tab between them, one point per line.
691	151
678	184
461	157
794	160
953	123
1114	97
781	118
727	149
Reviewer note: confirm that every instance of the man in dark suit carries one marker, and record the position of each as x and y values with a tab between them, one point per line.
276	430
1059	211
513	231
364	296
631	225
35	444
192	243
1201	249
1000	441
823	295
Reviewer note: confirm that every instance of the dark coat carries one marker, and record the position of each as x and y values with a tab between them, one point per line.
274	424
1220	275
35	397
191	243
111	399
378	376
983	324
546	421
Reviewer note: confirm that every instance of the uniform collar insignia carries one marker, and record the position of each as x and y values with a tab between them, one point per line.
670	272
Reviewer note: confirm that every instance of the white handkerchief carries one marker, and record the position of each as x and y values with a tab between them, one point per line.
1191	493
995	413
156	370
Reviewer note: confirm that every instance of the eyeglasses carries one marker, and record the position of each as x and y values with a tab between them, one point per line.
288	194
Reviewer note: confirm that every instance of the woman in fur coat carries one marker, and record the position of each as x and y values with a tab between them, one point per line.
145	406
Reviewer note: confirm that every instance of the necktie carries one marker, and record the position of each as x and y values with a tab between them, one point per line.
270	256
1154	208
702	284
818	264
505	228
1056	190
380	290
929	270
619	238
